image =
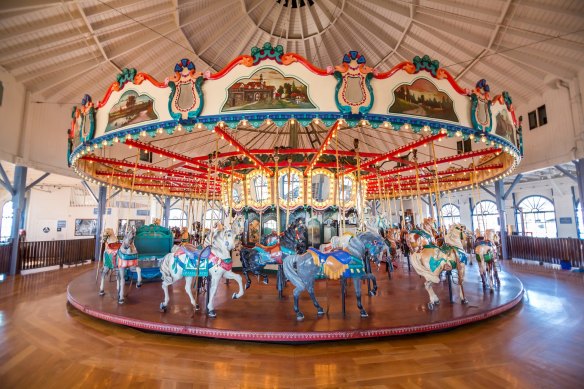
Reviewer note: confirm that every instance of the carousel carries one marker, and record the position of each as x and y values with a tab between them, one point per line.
295	179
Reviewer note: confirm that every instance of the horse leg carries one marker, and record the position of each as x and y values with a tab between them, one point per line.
104	272
434	300
189	290
482	271
232	276
461	273
164	304
121	283
490	269
297	291
216	275
319	310
357	285
247	279
373	291
139	274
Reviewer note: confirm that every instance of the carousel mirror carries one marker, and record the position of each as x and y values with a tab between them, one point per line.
237	192
320	187
346	190
259	189
289	187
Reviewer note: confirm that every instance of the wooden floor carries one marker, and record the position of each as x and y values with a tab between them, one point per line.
399	308
45	343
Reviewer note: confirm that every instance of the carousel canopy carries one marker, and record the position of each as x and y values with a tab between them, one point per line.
272	116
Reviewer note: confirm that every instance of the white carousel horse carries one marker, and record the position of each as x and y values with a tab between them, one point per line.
120	256
217	264
486	255
429	225
431	260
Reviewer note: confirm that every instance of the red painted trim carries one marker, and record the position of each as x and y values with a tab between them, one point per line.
441	173
115	87
322	147
241	148
291	337
393	70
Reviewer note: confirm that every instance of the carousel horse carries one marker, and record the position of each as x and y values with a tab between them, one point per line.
197	234
214	261
486	255
273	252
302	269
431	260
121	256
429	225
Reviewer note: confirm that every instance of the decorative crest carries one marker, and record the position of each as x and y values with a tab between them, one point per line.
125	76
267	51
426	63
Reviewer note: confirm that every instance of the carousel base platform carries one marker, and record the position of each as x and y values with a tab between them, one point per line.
400	308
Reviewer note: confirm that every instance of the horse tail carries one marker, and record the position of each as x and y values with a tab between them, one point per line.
289	270
165	268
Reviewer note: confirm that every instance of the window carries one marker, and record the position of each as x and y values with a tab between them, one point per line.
485	216
579	220
532	120
177	218
212	216
536	216
269	226
542	115
463	146
294	187
450	214
6	227
145	156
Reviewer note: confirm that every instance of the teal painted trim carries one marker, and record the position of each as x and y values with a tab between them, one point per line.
473	109
190	114
91	117
342	108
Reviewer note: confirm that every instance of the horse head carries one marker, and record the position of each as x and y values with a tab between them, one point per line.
109	236
371	242
128	241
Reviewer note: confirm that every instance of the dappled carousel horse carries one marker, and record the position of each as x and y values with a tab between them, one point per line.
429	260
121	256
486	255
254	260
213	261
302	269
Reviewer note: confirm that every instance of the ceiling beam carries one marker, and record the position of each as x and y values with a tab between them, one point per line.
566	173
331	134
512	186
219	130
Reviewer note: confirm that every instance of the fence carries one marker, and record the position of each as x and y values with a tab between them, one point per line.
5	258
547	250
34	255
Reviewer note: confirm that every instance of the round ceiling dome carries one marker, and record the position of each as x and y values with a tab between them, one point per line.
294	19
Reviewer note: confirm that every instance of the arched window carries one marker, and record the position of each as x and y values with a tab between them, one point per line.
260	186
177	218
579	220
6	227
212	216
450	214
485	216
537	215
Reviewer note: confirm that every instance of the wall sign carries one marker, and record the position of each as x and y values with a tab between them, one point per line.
61	224
565	220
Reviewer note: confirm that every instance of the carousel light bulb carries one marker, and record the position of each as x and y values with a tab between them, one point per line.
160	130
471	136
129	146
179	127
459	133
104	143
443	131
116	140
426	128
483	139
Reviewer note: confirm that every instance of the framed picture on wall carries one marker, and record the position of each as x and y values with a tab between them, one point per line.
85	227
136	223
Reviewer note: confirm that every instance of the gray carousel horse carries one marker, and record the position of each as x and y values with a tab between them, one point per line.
302	269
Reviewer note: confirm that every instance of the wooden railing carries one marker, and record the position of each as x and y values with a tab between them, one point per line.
549	250
34	255
5	258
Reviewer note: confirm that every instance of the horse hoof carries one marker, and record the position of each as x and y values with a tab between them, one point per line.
437	302
120	301
364	314
491	290
162	307
464	301
138	285
197	307
266	281
320	311
247	285
372	292
431	306
234	297
101	293
299	316
212	314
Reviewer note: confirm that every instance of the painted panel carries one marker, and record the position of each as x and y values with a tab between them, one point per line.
422	98
132	108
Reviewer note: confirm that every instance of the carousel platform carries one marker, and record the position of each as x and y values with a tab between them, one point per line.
398	309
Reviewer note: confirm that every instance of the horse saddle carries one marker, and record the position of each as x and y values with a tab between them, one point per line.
195	257
483	242
269	254
461	254
336	263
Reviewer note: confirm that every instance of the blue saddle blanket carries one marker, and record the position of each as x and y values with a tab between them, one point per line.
342	256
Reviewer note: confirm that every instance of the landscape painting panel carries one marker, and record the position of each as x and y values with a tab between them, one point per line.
267	89
504	126
132	108
422	98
